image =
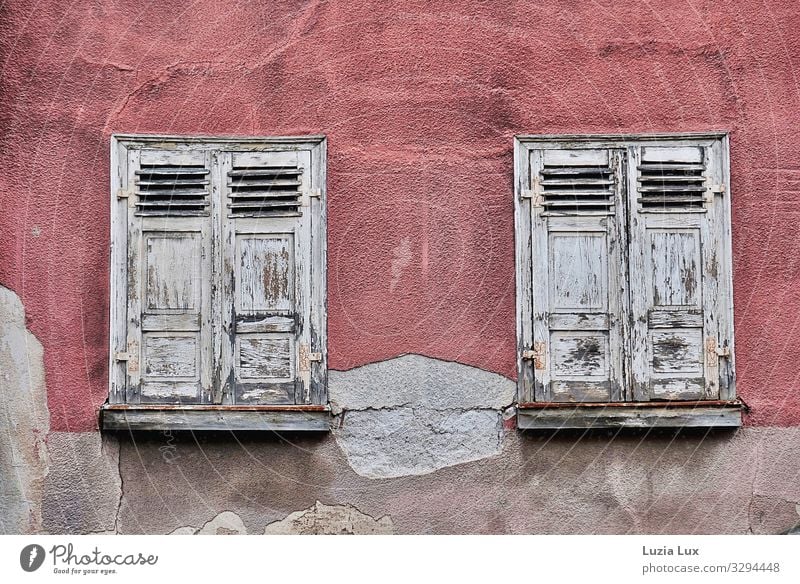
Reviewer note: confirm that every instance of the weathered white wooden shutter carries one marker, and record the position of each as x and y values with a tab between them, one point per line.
578	262
680	331
266	348
168	277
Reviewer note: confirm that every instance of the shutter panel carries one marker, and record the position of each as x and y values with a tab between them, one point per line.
577	216
267	277
169	273
679	304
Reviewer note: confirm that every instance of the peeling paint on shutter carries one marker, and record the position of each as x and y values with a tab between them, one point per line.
577	275
169	279
266	278
675	252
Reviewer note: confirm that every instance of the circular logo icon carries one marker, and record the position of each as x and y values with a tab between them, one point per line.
31	557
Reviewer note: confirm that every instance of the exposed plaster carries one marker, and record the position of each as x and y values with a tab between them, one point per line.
321	519
421	382
83	486
24	420
224	523
413	415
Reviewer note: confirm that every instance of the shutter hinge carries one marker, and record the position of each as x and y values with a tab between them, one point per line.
712	190
122	356
307	357
123	193
534	194
309	194
537	355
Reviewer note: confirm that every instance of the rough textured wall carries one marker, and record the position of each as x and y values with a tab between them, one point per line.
420	101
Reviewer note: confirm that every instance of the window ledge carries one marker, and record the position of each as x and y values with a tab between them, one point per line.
305	418
701	414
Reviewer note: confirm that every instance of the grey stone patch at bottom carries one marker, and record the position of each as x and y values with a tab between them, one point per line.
404	441
321	519
24	420
418	381
83	487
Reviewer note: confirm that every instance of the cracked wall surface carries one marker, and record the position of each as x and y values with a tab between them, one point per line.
420	258
24	420
324	519
414	415
83	487
702	483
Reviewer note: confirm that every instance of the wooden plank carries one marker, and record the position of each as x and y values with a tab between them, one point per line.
265	324
172	322
612	416
597	158
216	420
118	272
579	321
686	154
664	318
523	269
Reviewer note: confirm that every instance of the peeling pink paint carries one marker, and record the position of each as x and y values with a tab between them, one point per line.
420	102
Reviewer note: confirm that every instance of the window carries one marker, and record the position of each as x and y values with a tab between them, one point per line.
217	284
624	294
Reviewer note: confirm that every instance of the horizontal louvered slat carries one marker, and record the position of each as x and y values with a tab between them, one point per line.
171	169
577	189
261	171
264	191
671	186
261	182
171	190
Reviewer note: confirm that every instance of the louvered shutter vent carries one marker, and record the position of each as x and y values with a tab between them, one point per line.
264	191
670	185
575	187
172	190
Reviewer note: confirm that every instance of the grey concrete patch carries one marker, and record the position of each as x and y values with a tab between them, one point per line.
420	382
226	523
83	487
413	441
324	519
24	420
414	415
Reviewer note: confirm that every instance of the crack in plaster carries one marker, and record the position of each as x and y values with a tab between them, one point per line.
23	446
413	415
321	519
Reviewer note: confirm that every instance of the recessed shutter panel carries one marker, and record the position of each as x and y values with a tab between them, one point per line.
267	277
169	277
675	250
577	217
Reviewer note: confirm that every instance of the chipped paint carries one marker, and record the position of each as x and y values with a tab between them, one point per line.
24	420
414	415
321	519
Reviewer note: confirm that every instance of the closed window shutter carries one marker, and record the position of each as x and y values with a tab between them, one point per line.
577	222
266	284
168	278
679	314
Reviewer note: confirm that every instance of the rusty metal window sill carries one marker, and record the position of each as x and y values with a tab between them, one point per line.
290	418
695	414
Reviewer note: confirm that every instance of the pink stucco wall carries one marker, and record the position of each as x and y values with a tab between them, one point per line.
420	101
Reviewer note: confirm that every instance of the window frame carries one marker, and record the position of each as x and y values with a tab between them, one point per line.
549	415
116	414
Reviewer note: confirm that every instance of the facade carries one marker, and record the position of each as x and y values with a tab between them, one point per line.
399	268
